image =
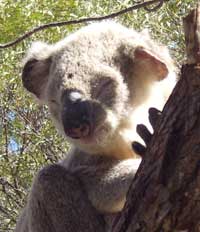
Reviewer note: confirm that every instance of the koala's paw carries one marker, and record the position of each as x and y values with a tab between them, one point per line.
144	133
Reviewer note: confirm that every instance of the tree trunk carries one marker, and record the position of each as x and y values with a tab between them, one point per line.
165	194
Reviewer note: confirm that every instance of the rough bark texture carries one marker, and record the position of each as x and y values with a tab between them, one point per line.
192	36
165	194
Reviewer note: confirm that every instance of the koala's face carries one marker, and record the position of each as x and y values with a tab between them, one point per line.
87	105
86	102
90	81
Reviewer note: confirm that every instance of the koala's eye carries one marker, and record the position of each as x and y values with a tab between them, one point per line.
53	101
103	87
105	91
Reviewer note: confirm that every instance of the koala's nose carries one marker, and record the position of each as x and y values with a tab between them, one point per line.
76	115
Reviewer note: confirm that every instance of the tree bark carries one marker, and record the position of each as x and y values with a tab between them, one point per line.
165	194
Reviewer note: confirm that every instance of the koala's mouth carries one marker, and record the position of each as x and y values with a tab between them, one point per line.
81	131
88	134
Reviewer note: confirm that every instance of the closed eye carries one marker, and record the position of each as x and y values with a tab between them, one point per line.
105	84
53	101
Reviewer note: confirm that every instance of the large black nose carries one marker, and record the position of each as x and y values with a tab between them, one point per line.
76	115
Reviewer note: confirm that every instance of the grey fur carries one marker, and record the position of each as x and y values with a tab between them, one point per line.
116	70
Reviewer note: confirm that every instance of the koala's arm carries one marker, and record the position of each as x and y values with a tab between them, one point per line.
107	183
58	203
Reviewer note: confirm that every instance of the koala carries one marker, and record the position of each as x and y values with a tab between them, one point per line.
98	84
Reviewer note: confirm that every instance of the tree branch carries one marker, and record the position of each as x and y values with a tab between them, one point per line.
144	5
192	36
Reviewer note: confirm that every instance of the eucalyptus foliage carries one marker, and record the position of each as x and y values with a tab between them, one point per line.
28	139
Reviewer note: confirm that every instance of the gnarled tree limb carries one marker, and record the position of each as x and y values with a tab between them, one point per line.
192	36
165	194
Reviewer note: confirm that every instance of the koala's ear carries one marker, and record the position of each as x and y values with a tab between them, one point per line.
36	69
148	62
35	76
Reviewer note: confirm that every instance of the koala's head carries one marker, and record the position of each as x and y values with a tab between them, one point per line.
89	80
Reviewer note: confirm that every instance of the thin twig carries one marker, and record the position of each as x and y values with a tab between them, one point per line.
144	5
8	215
7	184
5	127
4	211
149	9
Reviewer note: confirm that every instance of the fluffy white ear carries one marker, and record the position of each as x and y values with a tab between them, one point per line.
36	69
148	62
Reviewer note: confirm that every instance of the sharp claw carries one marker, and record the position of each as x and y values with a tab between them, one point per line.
144	133
154	116
139	148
